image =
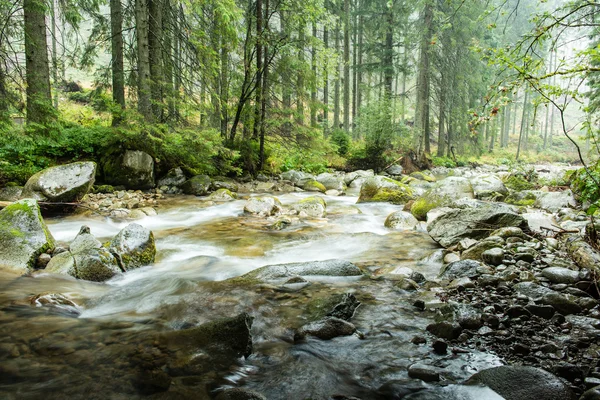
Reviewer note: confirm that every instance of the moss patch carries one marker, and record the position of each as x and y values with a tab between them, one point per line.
518	182
422	206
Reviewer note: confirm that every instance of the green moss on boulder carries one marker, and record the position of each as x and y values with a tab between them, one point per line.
23	236
381	189
314	186
133	247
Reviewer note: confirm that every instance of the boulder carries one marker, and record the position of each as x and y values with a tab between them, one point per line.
222	194
401	220
97	265
561	275
460	269
488	187
394	169
358	174
331	181
296	177
84	241
313	186
223	338
132	169
381	189
555	201
23	236
326	329
310	268
220	182
493	256
174	177
198	185
442	194
473	222
263	205
476	252
133	247
62	263
11	193
61	184
522	383
311	207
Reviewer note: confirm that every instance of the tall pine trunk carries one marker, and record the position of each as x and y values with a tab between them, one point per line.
155	37
313	85
39	98
336	88
422	128
326	83
347	65
117	69
143	89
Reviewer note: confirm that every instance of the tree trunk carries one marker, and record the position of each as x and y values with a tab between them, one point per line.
259	68
264	99
354	59
359	75
224	87
141	21
117	69
39	99
388	57
300	77
347	65
326	83
441	136
523	122
336	88
313	85
54	53
155	36
168	55
423	83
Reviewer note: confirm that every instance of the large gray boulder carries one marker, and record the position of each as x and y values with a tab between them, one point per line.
198	185
488	186
554	201
522	383
472	222
132	169
133	247
63	183
331	181
401	220
442	194
23	236
310	268
381	189
311	207
263	206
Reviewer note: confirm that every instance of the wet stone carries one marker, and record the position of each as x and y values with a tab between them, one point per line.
445	330
440	347
423	372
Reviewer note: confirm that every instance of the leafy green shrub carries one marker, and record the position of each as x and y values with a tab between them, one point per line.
443	162
376	127
584	185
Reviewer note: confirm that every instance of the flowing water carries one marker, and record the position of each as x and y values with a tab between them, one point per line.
52	353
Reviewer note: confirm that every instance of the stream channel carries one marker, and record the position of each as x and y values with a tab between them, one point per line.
90	352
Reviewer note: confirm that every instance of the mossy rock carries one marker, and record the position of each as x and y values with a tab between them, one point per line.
263	205
422	206
314	186
442	194
400	220
133	247
103	189
23	236
312	207
518	182
223	195
97	265
381	189
525	198
132	169
423	175
198	185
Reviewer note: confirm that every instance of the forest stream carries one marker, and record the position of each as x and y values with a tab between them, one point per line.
99	344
